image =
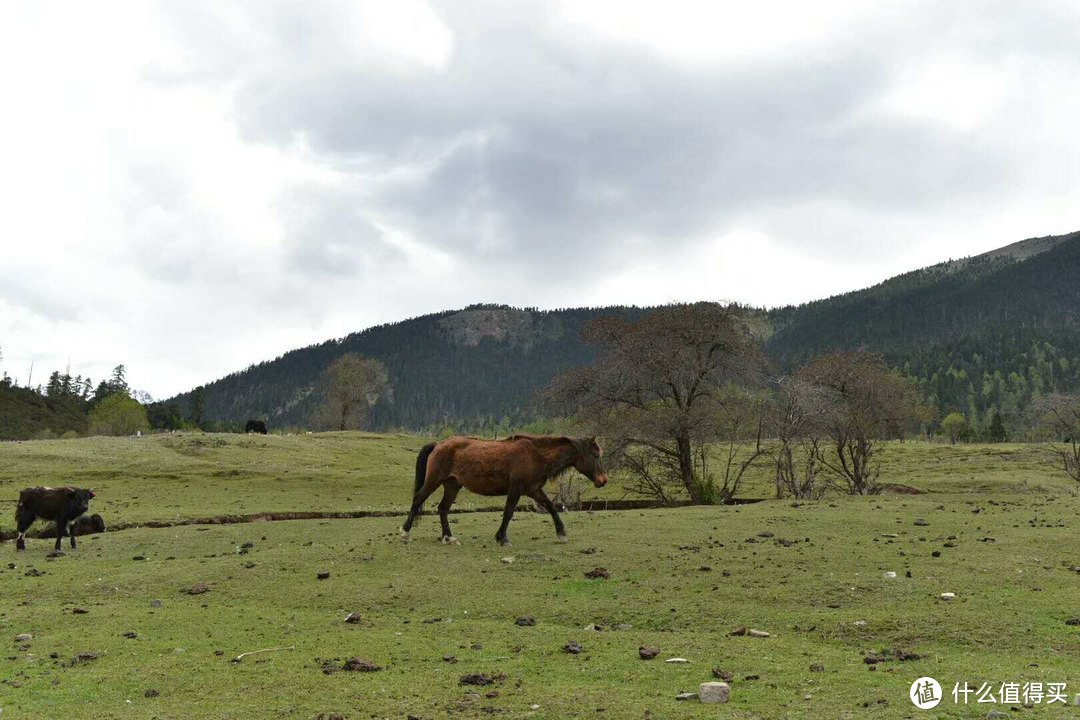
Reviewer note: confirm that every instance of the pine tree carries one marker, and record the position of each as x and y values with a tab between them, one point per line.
997	429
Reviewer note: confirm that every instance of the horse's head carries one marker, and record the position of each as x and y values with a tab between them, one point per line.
589	461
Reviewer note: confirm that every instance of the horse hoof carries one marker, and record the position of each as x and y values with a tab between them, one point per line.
505	543
562	539
406	536
450	540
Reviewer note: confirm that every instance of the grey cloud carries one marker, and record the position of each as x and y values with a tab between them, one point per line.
538	142
327	233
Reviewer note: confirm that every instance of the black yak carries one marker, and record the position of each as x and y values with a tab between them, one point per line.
83	525
257	426
62	505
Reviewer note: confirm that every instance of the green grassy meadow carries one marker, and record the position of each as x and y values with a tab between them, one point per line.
812	575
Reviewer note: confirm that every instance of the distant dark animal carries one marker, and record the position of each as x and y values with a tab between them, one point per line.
89	525
257	426
62	505
516	466
82	525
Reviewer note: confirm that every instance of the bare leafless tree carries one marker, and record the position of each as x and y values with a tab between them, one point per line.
1059	416
875	403
656	390
741	423
802	414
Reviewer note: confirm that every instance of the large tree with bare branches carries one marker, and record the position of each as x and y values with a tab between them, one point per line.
873	403
801	418
663	386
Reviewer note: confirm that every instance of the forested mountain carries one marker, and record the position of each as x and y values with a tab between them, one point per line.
981	333
477	367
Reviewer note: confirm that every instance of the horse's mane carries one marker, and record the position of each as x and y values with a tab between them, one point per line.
578	443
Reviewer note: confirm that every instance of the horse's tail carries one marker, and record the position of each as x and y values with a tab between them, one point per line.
421	469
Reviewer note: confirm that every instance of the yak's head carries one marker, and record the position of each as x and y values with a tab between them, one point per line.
80	500
589	461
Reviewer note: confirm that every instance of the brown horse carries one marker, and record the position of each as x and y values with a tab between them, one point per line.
516	466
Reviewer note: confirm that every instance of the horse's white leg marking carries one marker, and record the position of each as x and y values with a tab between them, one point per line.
406	536
562	539
450	540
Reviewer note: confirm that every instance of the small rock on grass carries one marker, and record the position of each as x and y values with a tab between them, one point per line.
722	674
196	589
648	652
572	648
323	575
508	560
151	693
353	618
948	596
686	696
714	692
24	637
757	633
1073	621
598	573
817	667
677	661
525	621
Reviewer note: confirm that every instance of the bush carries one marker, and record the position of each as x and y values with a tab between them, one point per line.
118	414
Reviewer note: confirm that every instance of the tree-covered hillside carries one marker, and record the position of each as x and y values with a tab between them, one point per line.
985	333
979	334
476	367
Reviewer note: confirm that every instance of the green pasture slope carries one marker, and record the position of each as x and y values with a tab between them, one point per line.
812	575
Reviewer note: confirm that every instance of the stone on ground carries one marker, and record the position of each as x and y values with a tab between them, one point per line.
714	692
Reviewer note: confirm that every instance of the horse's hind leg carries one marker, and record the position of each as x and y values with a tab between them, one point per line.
417	506
541	497
450	491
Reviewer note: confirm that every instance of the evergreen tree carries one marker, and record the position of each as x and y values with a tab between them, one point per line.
997	432
198	403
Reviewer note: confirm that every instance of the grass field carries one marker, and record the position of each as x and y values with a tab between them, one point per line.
812	575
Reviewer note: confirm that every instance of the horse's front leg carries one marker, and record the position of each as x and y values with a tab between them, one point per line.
541	497
511	505
74	524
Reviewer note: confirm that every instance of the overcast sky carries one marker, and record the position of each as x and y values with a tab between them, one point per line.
191	187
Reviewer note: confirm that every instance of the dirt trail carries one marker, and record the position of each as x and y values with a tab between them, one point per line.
588	506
